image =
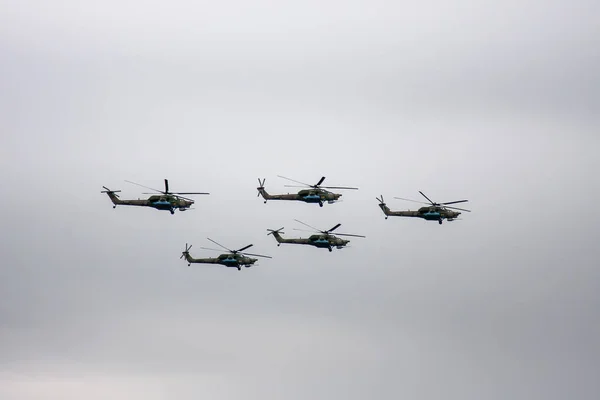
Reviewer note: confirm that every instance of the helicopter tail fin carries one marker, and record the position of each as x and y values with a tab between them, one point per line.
276	234
111	194
383	206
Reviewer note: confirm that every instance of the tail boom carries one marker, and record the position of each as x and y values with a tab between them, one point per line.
268	196
192	260
390	213
129	202
280	239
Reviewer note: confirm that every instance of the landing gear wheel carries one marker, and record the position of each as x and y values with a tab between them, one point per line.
330	249
239	268
114	206
172	212
440	221
265	202
320	204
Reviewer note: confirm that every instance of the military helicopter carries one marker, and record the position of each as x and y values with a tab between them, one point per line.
313	194
323	239
234	259
433	211
166	200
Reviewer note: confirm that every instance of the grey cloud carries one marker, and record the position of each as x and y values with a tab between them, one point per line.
494	103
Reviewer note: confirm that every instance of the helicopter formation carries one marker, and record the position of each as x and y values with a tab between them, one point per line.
315	194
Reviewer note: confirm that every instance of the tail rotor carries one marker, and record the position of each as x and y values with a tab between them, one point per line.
186	252
271	231
261	186
383	206
108	191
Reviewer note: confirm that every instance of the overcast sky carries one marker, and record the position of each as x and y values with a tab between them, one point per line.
495	102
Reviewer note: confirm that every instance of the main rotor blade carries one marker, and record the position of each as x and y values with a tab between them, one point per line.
414	201
293	180
312	227
334	228
456	208
244	248
181	197
348	234
320	181
189	193
432	203
208	248
219	244
256	255
166	186
294	186
156	190
339	187
303	230
174	195
455	202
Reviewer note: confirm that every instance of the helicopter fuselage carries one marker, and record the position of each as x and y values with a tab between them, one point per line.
327	241
432	213
227	260
322	241
314	196
159	202
169	203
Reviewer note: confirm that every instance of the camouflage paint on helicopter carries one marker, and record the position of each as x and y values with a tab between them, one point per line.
432	212
313	194
167	201
322	240
233	259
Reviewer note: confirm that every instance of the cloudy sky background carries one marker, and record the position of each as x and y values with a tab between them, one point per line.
497	103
